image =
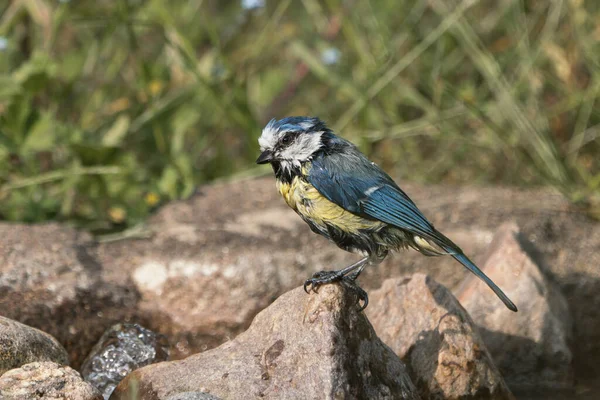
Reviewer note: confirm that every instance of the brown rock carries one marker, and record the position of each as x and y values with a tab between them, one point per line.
230	231
21	344
205	266
211	263
302	346
45	380
202	275
50	279
530	347
427	327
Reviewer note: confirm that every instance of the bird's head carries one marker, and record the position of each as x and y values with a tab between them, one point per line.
291	141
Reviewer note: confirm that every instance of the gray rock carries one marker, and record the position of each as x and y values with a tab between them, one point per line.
21	344
427	327
301	346
530	347
45	380
122	349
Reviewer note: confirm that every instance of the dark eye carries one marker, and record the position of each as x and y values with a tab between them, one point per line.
287	139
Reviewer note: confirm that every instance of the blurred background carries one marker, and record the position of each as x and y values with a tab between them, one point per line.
109	108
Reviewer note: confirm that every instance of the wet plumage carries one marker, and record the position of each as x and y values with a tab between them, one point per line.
345	197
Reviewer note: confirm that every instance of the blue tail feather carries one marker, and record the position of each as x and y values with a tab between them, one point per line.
464	260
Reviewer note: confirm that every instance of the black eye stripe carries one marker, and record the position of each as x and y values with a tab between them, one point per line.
288	137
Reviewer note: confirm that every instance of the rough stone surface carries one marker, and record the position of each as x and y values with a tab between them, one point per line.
203	267
122	349
531	347
302	346
51	280
426	326
21	344
45	380
203	276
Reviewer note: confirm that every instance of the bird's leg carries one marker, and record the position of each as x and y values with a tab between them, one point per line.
373	259
354	275
346	276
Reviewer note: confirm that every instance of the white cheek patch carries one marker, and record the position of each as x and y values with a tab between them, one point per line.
303	148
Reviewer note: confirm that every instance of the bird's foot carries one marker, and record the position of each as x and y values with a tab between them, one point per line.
349	281
360	293
321	278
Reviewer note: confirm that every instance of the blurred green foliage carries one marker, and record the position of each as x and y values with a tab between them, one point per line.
110	107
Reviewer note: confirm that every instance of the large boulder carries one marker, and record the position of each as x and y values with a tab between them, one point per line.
530	347
302	346
209	264
433	334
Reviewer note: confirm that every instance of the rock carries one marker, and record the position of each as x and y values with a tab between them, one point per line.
21	344
302	346
530	347
50	279
204	267
45	380
566	242
202	276
426	326
122	349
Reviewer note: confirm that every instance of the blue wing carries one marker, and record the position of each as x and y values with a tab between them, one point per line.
356	184
351	181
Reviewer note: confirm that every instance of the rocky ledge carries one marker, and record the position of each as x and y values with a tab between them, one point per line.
198	279
301	346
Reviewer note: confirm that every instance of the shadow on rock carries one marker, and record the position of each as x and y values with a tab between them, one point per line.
429	340
532	346
79	322
582	295
514	363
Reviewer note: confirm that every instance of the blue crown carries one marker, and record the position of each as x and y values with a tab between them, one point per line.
295	124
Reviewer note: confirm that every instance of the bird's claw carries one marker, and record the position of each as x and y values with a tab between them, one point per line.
308	283
360	293
323	277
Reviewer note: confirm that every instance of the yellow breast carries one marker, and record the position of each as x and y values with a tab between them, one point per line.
303	198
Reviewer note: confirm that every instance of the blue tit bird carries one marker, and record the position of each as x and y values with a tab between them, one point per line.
350	200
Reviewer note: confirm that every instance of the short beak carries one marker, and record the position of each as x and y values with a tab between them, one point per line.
265	157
